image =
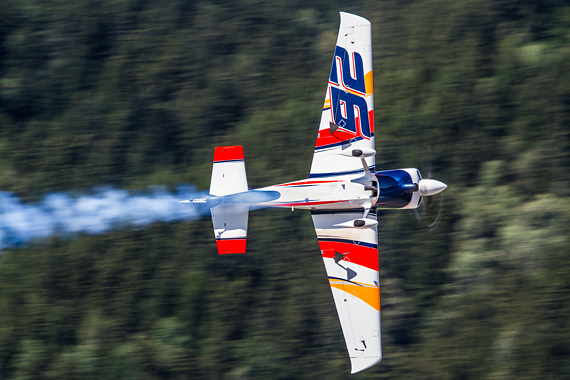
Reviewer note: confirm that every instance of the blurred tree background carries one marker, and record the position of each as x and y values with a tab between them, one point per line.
133	93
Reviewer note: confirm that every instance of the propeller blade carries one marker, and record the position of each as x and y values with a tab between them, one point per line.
426	215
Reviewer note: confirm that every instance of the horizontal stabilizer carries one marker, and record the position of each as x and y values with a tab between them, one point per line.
228	180
228	173
230	227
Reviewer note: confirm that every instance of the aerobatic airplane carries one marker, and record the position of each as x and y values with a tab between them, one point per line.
343	192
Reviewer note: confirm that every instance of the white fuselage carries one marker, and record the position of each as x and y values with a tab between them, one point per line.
339	192
346	191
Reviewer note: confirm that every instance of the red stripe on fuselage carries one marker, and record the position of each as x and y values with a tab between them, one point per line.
356	254
305	183
228	153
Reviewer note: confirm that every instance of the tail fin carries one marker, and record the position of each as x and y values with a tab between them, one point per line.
230	220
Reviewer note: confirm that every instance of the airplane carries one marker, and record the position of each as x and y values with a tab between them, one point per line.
343	193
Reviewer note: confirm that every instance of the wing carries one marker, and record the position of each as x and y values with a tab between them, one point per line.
351	261
348	113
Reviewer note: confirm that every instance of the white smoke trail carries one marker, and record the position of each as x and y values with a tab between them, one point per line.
104	210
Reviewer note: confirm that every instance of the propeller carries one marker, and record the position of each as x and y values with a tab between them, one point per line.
429	212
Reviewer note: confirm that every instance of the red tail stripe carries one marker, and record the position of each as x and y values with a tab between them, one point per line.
357	254
227	246
228	153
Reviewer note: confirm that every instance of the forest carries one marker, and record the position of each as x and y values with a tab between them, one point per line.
137	93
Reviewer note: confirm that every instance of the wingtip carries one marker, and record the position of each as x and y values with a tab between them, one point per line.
351	17
229	246
360	364
228	153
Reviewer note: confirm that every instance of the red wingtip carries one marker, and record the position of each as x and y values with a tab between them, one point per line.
227	246
228	153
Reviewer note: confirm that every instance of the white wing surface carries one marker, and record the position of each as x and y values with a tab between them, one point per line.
351	261
347	121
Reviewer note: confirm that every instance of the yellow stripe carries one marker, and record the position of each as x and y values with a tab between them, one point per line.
368	82
354	93
367	293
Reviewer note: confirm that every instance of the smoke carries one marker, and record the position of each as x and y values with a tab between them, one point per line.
99	212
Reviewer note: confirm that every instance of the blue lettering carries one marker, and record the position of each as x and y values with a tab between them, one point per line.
350	102
355	84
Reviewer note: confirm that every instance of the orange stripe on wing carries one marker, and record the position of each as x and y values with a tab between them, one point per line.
368	82
367	293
